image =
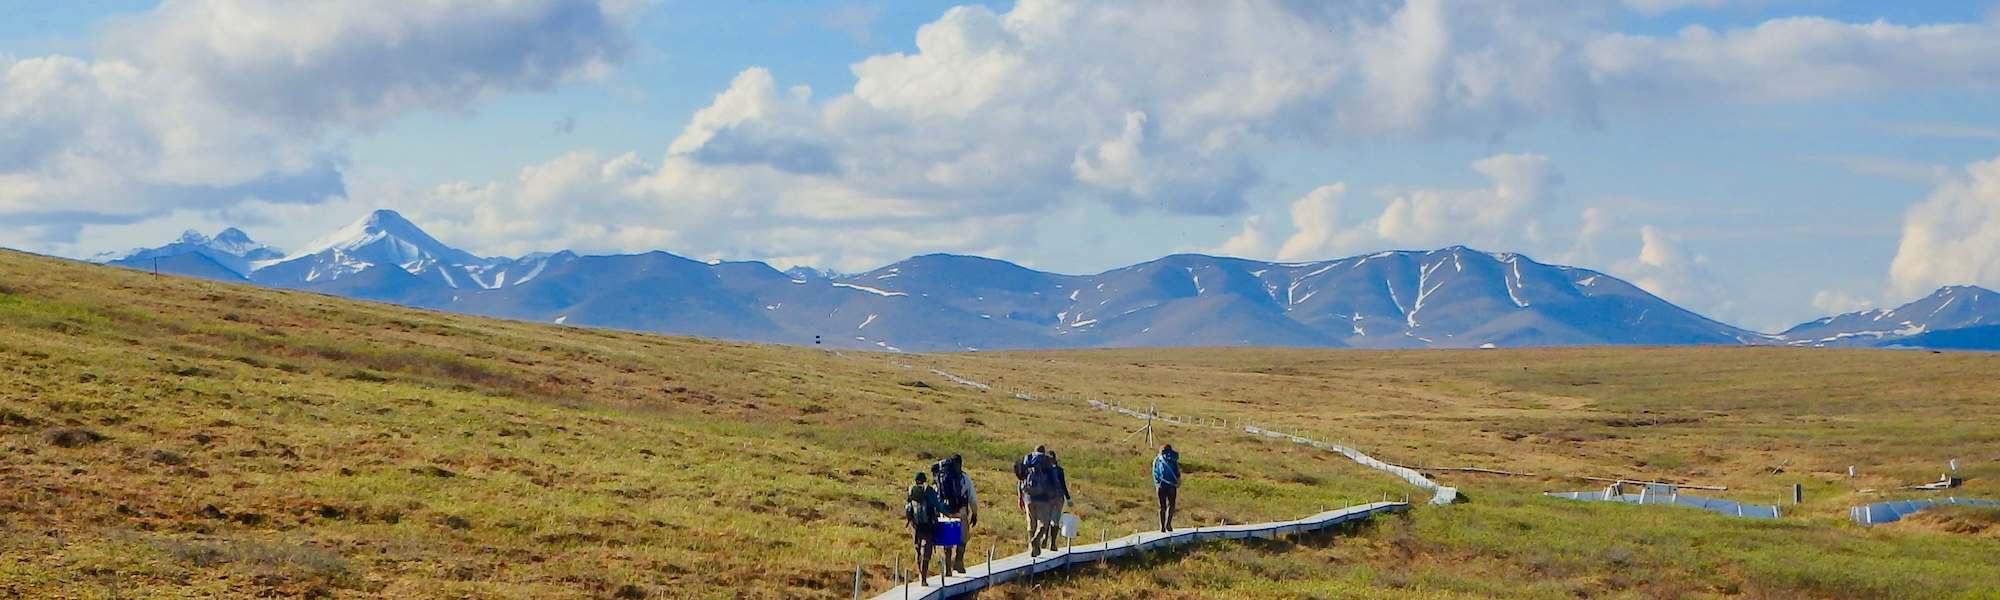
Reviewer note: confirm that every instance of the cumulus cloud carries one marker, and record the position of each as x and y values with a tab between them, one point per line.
1665	267
366	62
1512	208
1317	217
1509	213
1952	237
1147	105
1252	242
207	104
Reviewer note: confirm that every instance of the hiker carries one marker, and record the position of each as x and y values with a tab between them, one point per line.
1167	483
960	502
1044	491
1033	458
921	507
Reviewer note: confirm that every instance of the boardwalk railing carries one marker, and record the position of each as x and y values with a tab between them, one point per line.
1021	565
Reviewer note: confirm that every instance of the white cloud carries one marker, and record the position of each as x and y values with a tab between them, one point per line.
590	204
1669	270
366	62
1835	302
1511	209
1251	243
205	105
1952	237
1145	105
1317	217
1509	215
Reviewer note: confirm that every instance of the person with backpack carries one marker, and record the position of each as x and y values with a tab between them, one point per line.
1043	492
921	508
1167	484
961	502
1021	468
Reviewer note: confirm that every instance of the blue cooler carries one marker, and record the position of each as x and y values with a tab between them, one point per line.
949	532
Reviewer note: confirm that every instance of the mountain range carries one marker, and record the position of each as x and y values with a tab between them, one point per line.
1452	297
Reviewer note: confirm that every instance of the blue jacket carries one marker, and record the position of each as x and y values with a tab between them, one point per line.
1167	468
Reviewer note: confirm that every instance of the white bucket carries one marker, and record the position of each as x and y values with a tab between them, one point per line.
1069	525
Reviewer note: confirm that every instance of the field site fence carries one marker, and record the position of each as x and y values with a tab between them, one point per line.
1441	494
1658	494
1023	565
1884	512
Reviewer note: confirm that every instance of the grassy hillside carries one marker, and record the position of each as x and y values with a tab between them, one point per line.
166	437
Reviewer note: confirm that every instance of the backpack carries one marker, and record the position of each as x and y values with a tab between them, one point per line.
1027	462
951	485
919	512
1040	482
1167	468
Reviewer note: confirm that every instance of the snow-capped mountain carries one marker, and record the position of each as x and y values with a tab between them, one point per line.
385	239
1949	308
230	249
1453	297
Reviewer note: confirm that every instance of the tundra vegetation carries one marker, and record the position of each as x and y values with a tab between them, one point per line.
167	437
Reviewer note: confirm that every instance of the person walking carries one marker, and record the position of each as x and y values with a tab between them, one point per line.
921	507
1167	484
1061	500
961	502
1042	494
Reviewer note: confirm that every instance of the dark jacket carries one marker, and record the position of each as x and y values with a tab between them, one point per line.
1062	483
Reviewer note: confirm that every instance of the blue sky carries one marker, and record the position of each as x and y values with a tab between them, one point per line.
1764	162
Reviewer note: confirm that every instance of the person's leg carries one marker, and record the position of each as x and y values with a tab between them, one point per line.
1045	533
1034	530
1053	520
918	540
924	551
944	560
959	563
1172	505
1160	491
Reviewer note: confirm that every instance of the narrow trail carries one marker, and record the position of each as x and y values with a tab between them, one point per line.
1001	570
1022	565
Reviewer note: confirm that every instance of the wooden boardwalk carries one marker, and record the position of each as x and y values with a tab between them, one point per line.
1021	565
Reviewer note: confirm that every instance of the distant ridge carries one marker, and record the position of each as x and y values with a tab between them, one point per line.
1921	322
1454	297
